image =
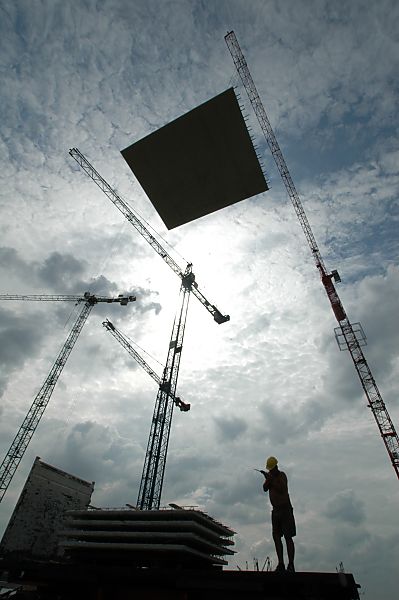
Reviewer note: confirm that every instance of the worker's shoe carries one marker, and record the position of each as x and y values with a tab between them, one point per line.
280	568
290	568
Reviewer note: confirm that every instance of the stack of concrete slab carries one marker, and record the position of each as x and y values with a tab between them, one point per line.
178	537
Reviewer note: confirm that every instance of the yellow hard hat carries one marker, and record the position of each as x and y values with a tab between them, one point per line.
271	463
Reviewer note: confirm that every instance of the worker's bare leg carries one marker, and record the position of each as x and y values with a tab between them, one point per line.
279	548
290	550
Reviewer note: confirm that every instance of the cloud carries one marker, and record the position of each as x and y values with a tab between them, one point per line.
98	449
229	428
346	507
280	424
94	452
62	274
57	270
10	261
24	333
20	337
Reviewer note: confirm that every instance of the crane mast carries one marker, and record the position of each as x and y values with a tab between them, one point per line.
346	331
25	433
155	459
123	207
124	342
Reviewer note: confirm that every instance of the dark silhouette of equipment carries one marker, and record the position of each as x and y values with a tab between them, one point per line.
21	441
125	343
155	459
349	336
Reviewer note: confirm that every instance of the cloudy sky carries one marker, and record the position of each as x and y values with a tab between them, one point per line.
101	74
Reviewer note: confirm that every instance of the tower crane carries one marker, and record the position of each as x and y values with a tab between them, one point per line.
150	490
31	421
155	459
349	335
154	465
140	227
124	342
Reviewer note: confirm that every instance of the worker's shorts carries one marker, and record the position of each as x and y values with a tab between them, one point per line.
283	522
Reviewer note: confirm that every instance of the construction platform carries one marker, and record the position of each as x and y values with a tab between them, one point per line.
42	581
168	554
58	547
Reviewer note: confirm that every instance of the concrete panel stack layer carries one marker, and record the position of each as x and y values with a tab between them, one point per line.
39	513
182	537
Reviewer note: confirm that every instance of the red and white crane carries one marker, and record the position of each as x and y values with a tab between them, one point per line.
25	433
349	335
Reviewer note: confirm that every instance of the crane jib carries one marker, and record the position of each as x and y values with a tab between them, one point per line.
123	207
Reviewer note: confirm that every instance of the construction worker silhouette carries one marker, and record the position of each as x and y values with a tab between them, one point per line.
283	521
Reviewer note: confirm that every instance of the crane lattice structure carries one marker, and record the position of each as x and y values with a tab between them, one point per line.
150	490
349	336
155	459
147	235
29	425
125	343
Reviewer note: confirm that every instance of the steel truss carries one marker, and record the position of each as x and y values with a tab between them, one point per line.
154	464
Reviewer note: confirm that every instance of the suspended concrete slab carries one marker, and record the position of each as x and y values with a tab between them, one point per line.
199	163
